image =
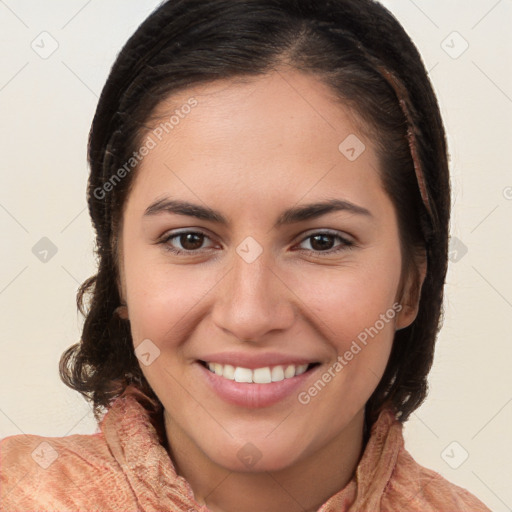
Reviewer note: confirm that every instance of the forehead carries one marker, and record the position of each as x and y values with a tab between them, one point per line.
276	135
283	97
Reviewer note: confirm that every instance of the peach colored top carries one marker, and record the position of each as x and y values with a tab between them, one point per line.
125	468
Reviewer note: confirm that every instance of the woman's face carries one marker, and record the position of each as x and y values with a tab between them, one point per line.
265	283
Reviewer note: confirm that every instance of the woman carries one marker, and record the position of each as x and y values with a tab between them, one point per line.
270	193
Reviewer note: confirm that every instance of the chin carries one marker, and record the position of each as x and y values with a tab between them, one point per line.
253	457
259	463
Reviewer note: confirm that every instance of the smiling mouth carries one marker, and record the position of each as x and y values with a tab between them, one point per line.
264	375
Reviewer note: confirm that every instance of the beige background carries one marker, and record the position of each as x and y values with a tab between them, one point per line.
46	107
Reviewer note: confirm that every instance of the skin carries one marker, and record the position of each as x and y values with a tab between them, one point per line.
251	150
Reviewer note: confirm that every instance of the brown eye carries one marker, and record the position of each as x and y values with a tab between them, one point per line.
322	242
325	243
191	241
184	242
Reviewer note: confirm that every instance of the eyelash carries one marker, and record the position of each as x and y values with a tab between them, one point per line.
346	244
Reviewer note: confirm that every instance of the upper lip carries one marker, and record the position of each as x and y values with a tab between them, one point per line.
252	361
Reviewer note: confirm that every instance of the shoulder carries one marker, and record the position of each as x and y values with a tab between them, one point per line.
75	472
416	488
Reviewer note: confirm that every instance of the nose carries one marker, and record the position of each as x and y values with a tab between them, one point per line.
253	300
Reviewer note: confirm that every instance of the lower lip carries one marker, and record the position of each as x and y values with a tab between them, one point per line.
253	396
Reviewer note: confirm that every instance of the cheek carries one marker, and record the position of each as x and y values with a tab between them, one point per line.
161	299
161	295
355	313
348	300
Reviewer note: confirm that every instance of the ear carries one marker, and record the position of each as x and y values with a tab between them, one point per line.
122	310
411	294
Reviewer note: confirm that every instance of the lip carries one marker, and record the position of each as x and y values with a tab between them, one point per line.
250	395
253	361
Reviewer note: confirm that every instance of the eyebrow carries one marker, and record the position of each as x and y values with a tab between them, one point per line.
290	216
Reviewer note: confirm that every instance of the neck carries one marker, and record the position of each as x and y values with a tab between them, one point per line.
302	487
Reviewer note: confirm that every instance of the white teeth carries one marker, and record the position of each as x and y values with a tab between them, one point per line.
263	375
277	373
289	371
217	368
243	374
301	369
229	372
